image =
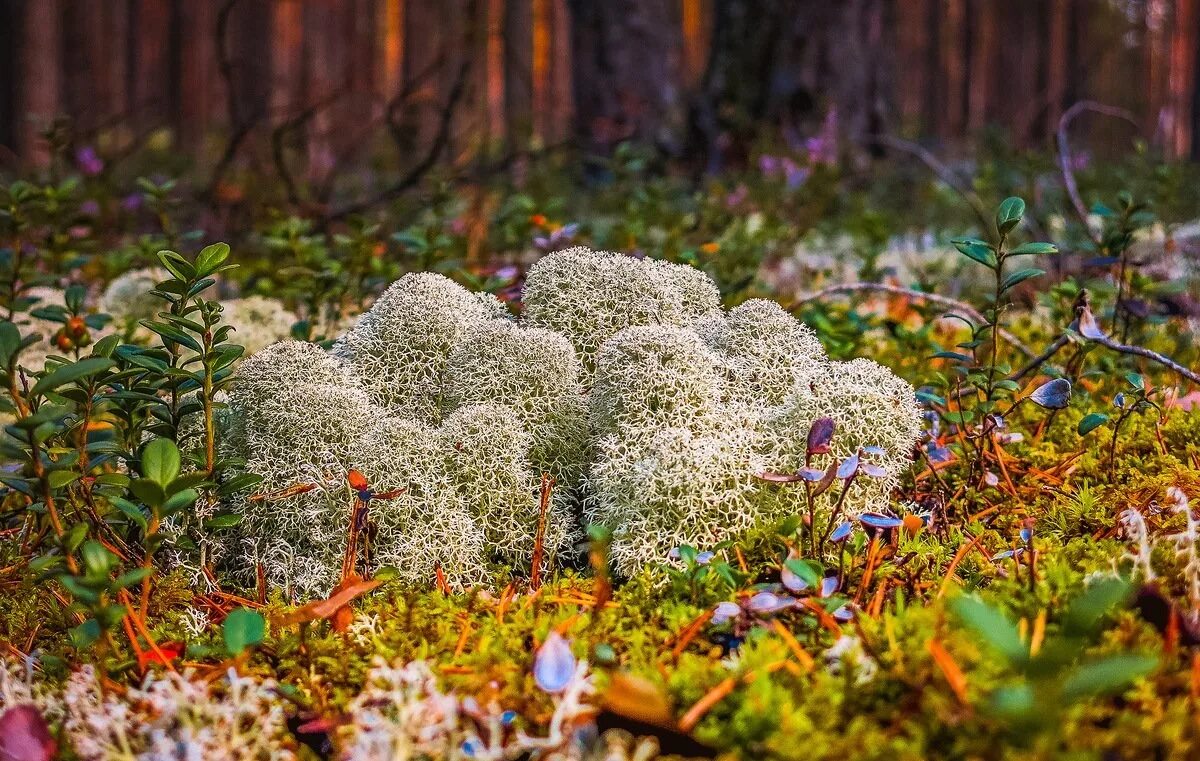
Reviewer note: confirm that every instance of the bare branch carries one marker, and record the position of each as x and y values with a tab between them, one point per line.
414	175
943	172
1064	152
895	290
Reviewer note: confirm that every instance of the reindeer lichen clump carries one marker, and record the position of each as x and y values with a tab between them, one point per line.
653	410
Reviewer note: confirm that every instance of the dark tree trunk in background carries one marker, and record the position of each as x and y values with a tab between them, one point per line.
626	60
789	65
702	80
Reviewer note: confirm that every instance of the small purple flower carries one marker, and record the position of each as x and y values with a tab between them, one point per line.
89	161
737	196
89	208
132	202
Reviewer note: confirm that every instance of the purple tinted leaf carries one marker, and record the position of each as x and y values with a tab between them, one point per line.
798	574
811	474
792	580
725	611
938	454
820	434
874	449
879	521
554	664
843	614
1008	554
766	603
1026	535
24	735
873	470
780	478
1052	395
507	718
829	585
826	481
848	467
842	532
704	558
1086	325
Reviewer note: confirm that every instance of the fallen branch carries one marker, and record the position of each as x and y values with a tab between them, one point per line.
895	290
1153	356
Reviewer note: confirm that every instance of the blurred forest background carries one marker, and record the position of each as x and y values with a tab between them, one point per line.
305	88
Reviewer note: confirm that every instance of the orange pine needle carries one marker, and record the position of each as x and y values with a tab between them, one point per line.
706	703
793	644
954	675
689	633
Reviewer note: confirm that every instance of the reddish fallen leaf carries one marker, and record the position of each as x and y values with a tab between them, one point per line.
170	651
24	735
320	610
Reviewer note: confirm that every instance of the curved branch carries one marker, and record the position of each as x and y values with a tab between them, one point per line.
895	290
943	172
418	171
1064	151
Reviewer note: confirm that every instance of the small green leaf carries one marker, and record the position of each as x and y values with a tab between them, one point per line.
10	341
84	635
1033	249
70	373
976	250
148	491
954	355
229	520
1009	214
60	478
176	265
811	573
135	576
1092	422
992	626
210	258
161	461
238	483
180	500
243	628
130	510
1108	675
1020	276
97	559
1085	612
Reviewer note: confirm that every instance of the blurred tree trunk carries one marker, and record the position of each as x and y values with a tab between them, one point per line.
793	66
625	56
40	71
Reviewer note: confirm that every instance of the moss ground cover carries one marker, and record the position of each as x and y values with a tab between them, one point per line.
710	494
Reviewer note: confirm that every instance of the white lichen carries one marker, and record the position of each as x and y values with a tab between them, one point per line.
652	409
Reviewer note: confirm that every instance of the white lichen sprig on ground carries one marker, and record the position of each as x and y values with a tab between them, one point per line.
623	380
